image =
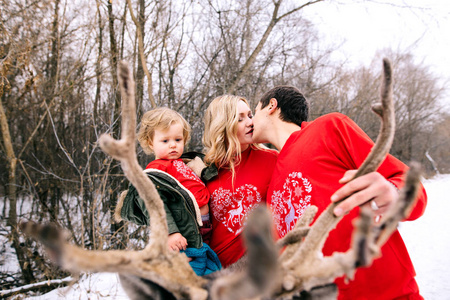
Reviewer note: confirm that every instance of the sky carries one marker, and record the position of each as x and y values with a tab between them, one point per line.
364	27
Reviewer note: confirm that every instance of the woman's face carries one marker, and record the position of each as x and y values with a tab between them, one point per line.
245	125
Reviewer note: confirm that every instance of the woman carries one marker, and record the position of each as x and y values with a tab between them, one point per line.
244	174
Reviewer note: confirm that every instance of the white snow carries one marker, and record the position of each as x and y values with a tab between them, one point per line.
105	286
427	240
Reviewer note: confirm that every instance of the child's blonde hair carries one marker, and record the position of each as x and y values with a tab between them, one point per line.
160	119
220	139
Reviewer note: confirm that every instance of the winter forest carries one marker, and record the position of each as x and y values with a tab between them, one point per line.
59	92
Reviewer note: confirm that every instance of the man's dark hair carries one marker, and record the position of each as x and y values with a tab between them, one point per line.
293	106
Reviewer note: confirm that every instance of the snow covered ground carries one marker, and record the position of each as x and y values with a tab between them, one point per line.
105	286
427	240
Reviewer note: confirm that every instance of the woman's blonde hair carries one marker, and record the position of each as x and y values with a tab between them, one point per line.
161	119
220	139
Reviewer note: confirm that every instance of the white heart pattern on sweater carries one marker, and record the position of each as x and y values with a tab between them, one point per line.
288	204
232	209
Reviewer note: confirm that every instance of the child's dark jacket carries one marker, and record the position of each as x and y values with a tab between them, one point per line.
182	212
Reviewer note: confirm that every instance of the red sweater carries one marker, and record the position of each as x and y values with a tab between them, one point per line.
230	204
178	169
307	172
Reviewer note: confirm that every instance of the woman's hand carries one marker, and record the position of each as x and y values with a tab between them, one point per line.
196	165
371	189
177	242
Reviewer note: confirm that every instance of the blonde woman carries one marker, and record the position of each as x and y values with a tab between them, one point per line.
245	171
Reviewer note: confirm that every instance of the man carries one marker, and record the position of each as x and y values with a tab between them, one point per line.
315	160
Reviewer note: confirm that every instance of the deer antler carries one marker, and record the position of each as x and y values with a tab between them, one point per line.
300	265
124	150
257	277
156	270
156	263
385	110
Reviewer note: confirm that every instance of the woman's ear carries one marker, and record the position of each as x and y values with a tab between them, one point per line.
273	105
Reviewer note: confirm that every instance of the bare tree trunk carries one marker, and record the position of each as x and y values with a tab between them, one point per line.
98	66
55	46
115	126
142	58
53	85
173	66
251	59
98	71
11	195
12	160
113	63
140	70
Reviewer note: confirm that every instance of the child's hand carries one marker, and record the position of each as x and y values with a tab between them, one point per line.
204	210
177	242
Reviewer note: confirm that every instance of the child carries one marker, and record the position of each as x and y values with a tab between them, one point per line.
165	132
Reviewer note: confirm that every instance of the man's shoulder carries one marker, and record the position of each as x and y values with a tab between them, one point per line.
330	117
265	153
328	122
322	128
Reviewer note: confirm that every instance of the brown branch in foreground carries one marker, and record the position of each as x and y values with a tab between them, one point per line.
38	286
260	276
385	110
301	267
169	270
403	206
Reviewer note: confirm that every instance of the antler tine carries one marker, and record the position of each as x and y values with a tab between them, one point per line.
385	110
125	148
126	84
168	270
125	151
294	237
403	206
156	258
297	268
258	279
367	239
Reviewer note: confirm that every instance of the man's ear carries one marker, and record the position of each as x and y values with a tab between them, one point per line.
273	105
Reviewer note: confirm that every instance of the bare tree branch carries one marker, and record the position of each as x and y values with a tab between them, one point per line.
142	56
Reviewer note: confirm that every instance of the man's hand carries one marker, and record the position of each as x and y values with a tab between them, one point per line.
177	242
371	189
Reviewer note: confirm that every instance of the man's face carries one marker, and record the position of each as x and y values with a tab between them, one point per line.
259	124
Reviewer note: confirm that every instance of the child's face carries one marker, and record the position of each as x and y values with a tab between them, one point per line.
169	143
